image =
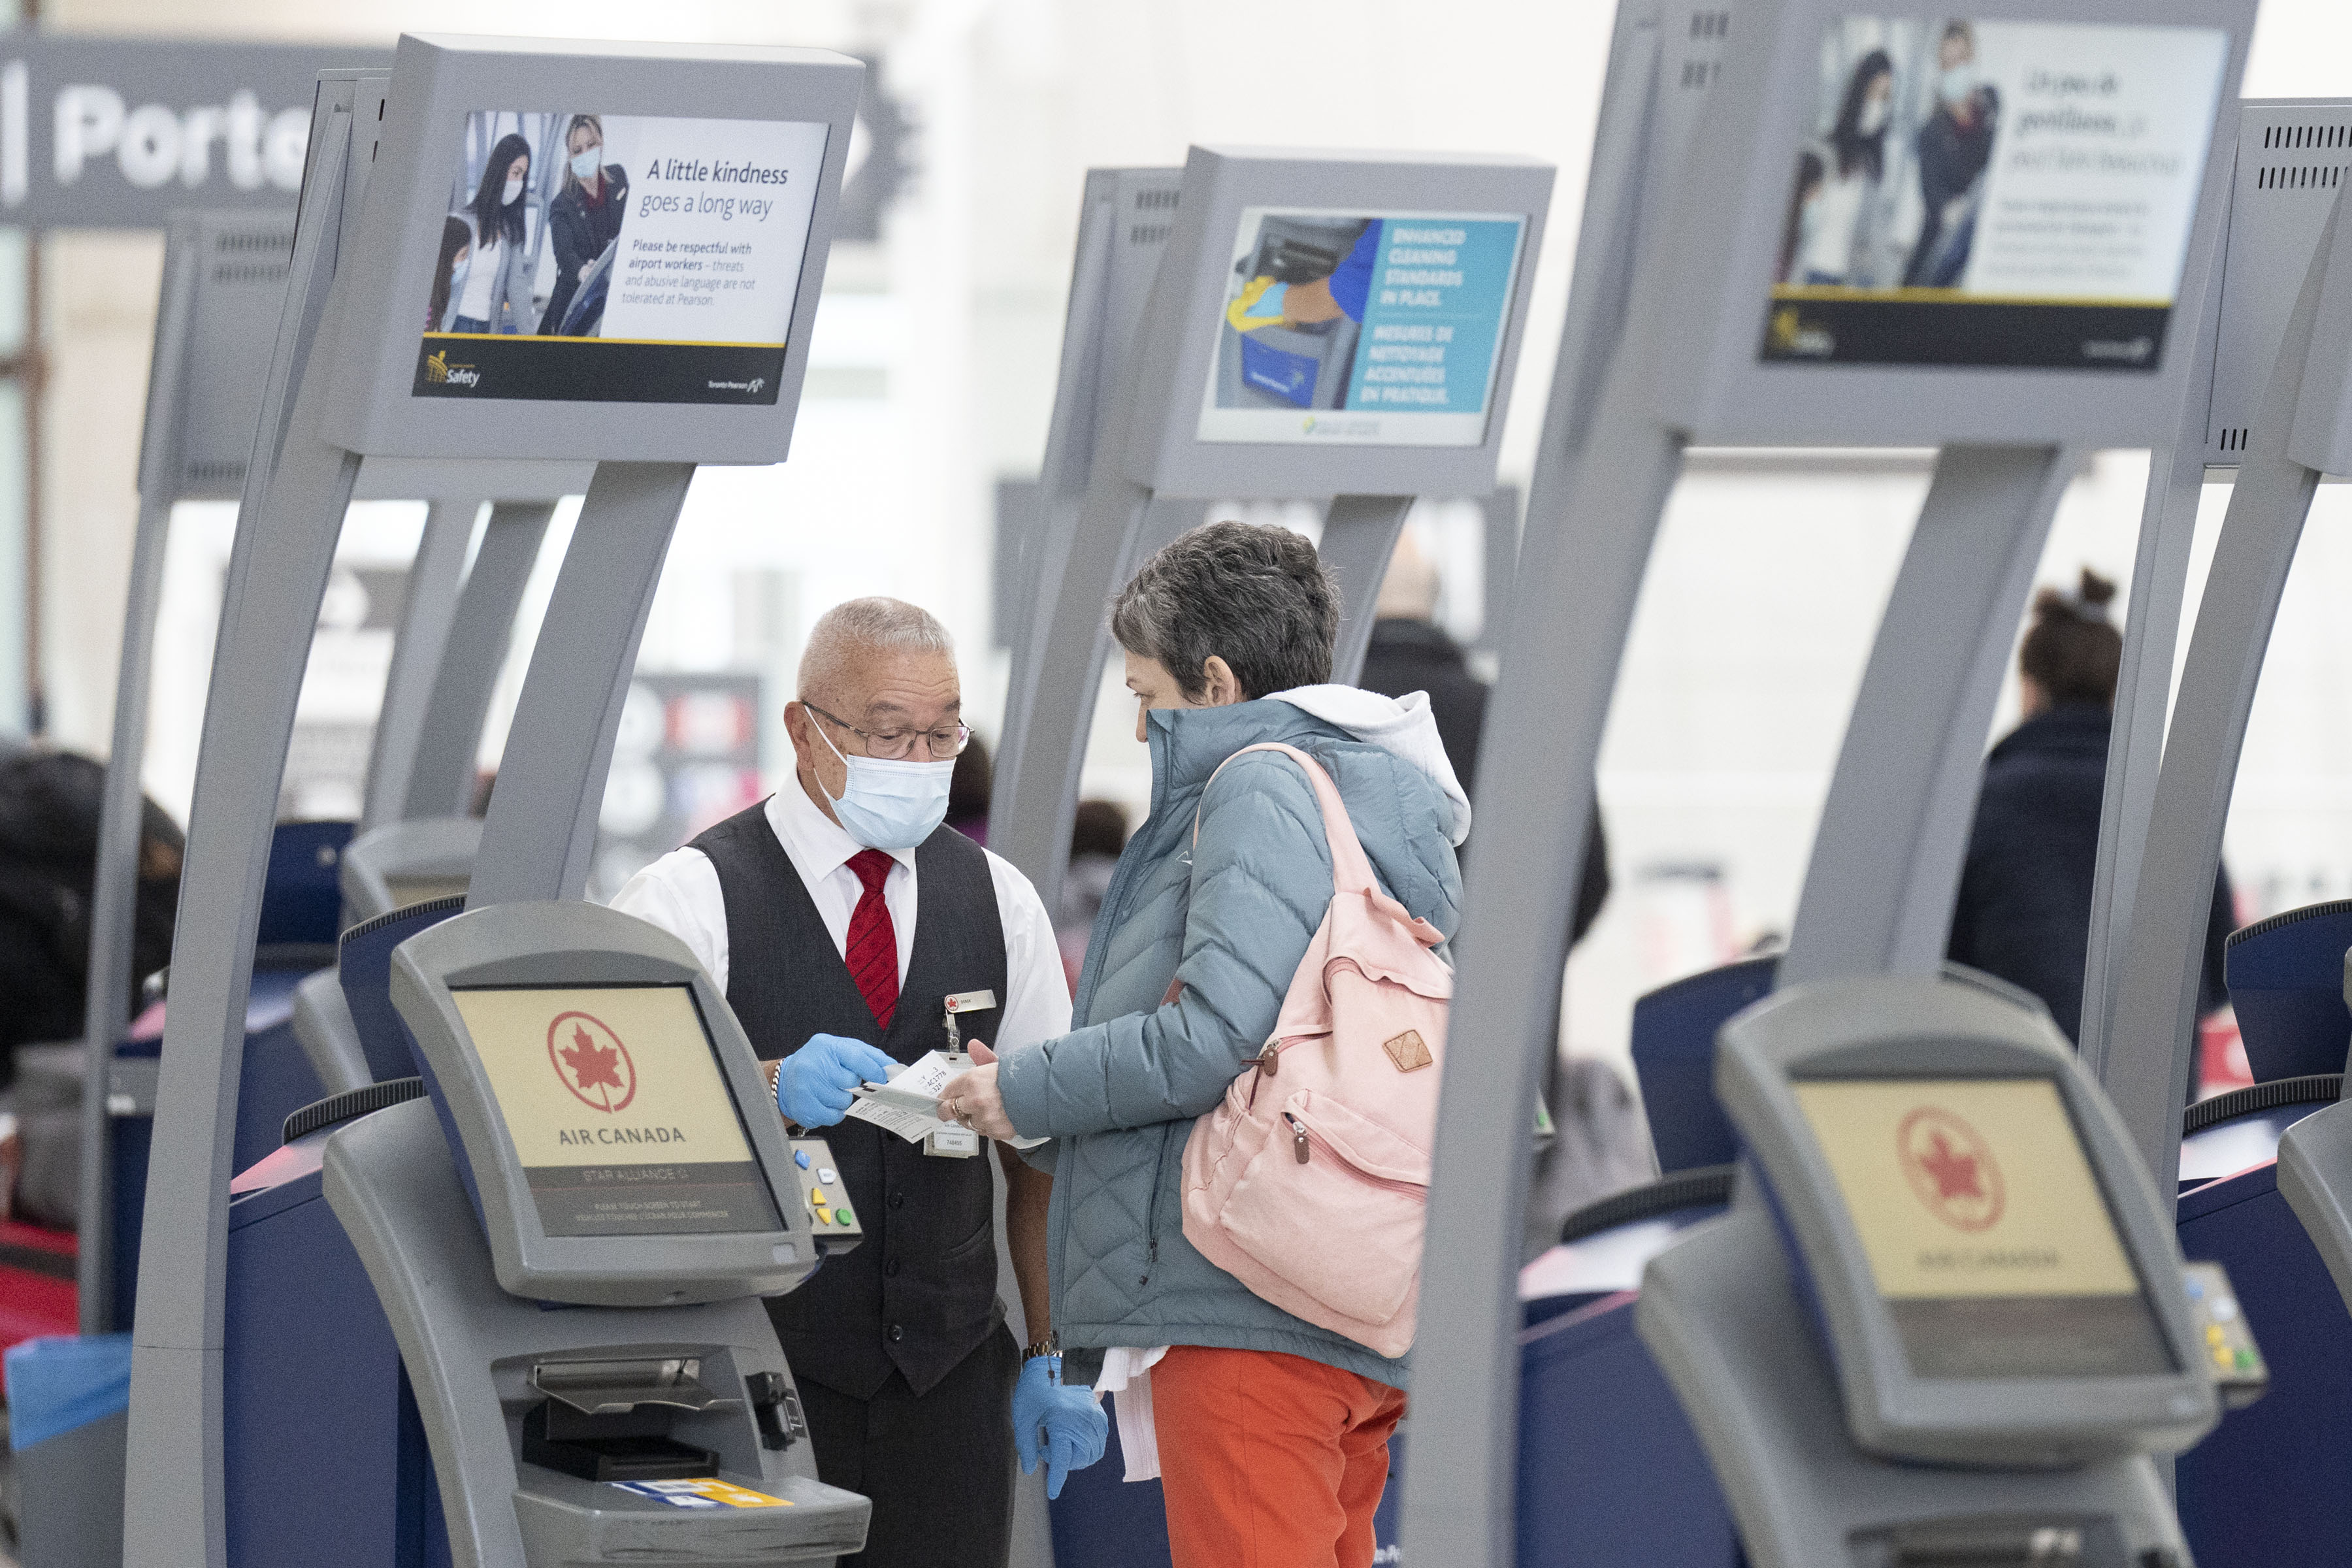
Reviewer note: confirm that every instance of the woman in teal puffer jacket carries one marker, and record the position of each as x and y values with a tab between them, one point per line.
1228	634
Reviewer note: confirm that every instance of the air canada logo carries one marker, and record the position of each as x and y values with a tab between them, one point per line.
592	1061
441	373
1951	1166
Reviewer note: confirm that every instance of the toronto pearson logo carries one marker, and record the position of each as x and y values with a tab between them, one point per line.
439	371
592	1061
1951	1169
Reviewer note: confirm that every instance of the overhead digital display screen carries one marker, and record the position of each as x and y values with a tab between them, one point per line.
1362	329
615	1102
611	258
1993	193
1984	1226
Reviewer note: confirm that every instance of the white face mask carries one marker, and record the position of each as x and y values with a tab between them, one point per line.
886	804
514	190
1873	116
1957	84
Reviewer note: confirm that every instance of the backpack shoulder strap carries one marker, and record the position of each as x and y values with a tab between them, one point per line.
1352	871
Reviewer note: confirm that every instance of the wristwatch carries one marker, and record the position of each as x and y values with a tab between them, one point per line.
1050	1345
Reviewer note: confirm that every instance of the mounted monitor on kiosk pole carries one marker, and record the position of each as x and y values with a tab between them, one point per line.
1336	324
1882	227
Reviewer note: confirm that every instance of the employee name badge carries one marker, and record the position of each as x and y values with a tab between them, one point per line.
704	1493
971	1001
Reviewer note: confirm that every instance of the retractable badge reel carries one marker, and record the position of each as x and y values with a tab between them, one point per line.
958	1143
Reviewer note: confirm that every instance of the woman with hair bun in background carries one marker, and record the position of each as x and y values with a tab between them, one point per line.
2025	906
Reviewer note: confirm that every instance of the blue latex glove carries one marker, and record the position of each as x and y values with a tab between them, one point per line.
813	1086
1055	1421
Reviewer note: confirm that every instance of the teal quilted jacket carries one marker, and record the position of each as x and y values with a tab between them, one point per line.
1230	917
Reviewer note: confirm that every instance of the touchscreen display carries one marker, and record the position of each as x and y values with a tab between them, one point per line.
1362	329
617	258
615	1102
1992	193
1984	1226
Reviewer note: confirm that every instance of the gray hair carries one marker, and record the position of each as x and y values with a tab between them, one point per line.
1252	595
860	626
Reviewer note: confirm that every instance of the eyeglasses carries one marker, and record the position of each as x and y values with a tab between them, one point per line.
898	745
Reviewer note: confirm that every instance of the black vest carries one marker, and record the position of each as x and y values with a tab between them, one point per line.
919	1292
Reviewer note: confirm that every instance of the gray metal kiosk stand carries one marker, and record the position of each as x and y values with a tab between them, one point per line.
1182	381
712	288
581	1436
1690	322
2275	369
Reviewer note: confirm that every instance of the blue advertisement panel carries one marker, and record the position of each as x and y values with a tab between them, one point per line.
1369	330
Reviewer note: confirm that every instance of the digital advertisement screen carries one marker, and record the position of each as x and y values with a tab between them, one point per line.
614	1098
1984	193
1361	330
1985	1227
613	259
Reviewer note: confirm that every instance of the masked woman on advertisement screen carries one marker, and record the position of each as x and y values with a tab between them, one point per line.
584	219
496	296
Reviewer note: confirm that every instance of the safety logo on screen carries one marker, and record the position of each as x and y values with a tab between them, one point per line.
1951	1169
592	1061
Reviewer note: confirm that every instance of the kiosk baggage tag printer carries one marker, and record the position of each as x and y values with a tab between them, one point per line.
736	157
2010	351
1323	324
613	1146
1944	1321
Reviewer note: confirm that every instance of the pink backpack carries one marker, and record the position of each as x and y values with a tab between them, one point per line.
1310	1183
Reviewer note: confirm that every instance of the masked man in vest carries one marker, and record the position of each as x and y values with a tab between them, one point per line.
839	917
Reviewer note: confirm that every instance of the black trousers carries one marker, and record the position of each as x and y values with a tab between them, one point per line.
937	1465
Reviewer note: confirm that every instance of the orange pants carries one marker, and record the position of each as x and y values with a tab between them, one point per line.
1269	1460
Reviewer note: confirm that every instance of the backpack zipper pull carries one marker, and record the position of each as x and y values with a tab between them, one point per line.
1299	1147
1269	1058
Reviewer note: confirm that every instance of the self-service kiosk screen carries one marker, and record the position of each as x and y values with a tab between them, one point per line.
1362	329
1985	1227
618	1109
617	258
1992	193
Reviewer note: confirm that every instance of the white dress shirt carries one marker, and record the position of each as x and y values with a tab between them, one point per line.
680	893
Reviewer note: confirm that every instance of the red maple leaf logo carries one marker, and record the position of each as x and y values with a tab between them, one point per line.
1951	1169
1955	1173
595	1067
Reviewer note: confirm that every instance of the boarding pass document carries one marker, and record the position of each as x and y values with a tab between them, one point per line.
909	1105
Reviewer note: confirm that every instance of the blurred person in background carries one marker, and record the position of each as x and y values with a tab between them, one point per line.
1098	836
2024	907
49	803
971	788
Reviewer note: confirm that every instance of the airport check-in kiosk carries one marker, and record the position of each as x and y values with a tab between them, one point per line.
597	1132
2263	1179
2012	349
1267	325
736	157
1944	1321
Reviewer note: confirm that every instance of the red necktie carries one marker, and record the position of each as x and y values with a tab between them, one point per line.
872	947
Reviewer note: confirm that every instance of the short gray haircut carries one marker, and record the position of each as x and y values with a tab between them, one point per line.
870	626
1252	595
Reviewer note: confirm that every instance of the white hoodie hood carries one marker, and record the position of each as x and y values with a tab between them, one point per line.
1401	726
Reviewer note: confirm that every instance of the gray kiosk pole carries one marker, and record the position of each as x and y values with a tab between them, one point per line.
1688	324
350	375
2277	391
1323	411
